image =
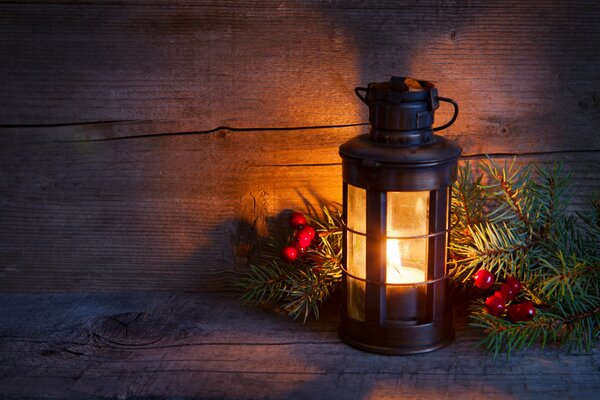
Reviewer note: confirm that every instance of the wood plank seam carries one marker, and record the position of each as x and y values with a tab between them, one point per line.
217	129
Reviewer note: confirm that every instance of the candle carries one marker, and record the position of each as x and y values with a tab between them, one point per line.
397	271
404	274
404	303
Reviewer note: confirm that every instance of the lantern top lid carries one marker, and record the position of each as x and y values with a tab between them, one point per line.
401	110
399	89
401	113
437	151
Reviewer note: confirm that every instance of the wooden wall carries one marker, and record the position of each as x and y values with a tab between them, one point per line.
115	172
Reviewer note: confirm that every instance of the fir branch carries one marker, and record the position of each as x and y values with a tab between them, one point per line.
503	335
550	195
584	327
305	295
498	248
514	185
568	277
264	283
529	235
466	204
592	219
300	287
574	331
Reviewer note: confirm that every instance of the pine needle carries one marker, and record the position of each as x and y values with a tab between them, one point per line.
528	234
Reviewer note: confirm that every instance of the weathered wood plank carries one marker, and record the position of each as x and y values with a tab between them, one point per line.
526	75
126	214
166	213
79	212
208	346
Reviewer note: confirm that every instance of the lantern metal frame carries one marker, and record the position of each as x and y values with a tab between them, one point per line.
399	154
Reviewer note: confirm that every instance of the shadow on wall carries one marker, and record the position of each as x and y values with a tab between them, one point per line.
248	235
524	75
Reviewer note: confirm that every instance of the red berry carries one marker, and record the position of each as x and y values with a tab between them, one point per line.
527	311
301	240
507	291
289	254
297	220
515	313
484	279
521	312
514	283
309	230
501	296
495	305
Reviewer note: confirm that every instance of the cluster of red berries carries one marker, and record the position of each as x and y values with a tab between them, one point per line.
301	240
497	303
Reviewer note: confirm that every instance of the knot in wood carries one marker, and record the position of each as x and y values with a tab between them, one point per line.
132	329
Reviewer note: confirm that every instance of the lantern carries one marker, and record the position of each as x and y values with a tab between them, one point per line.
396	194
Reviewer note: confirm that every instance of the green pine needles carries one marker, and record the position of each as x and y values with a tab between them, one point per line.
301	286
512	221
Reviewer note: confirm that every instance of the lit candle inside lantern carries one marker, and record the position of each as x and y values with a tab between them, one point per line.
404	303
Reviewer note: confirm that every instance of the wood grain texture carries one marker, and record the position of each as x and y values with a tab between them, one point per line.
114	176
525	75
208	346
167	212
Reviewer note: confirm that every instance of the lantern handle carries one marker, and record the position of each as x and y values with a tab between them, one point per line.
455	104
360	96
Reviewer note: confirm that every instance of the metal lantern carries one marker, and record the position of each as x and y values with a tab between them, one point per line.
396	192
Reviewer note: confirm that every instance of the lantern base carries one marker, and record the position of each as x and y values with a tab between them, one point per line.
396	339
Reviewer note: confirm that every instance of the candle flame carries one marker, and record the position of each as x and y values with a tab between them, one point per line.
396	272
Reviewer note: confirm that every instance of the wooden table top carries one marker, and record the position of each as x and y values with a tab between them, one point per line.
207	345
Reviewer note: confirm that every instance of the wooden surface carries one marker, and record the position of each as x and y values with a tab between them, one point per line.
114	174
208	346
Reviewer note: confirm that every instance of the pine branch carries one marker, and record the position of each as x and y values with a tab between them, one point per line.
265	283
592	219
503	335
496	247
299	287
568	277
528	234
550	195
305	295
513	191
466	204
574	331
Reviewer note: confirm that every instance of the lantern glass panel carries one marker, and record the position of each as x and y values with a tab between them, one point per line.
356	254
407	216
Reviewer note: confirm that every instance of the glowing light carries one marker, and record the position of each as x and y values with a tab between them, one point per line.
396	272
